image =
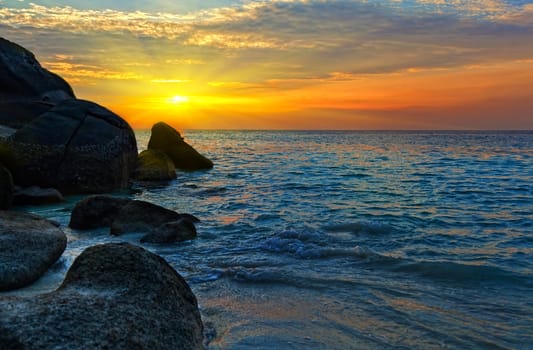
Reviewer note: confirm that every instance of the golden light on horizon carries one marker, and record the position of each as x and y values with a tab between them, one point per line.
178	99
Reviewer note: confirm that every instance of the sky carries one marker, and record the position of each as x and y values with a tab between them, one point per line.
290	64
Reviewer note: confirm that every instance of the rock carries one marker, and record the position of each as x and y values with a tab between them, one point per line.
175	231
115	296
76	147
154	165
168	140
29	245
122	215
140	216
96	211
16	114
6	188
23	78
35	196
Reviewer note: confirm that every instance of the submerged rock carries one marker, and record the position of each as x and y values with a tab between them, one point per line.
168	140
29	245
76	147
175	231
6	188
154	165
115	296
36	196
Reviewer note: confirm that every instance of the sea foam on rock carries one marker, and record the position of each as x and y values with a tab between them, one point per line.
115	296
29	245
168	140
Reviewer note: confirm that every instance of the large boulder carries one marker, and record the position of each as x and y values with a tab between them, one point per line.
29	245
167	139
154	165
16	114
23	78
6	188
175	231
115	296
75	147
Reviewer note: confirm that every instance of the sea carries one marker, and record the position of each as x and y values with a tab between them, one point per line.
348	239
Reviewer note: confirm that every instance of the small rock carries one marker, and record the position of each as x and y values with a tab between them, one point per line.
29	245
175	231
154	165
115	296
168	140
36	196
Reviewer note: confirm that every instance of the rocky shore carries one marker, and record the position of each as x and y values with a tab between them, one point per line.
116	295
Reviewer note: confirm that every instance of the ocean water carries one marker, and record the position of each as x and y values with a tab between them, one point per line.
349	240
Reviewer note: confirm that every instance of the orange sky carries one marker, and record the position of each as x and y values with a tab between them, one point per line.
289	64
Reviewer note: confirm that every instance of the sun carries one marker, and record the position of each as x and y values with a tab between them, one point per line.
178	99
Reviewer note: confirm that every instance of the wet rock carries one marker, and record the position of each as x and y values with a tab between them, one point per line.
175	231
22	77
140	216
29	245
76	147
36	196
154	165
167	139
115	296
6	188
96	211
122	215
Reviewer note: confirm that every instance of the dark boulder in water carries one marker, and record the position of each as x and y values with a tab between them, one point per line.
29	245
168	140
23	78
154	165
141	216
6	188
122	215
115	296
175	231
36	196
96	211
76	147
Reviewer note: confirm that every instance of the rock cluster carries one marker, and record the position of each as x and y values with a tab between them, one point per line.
51	139
115	296
123	215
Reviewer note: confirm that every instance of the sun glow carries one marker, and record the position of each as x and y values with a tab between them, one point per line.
178	99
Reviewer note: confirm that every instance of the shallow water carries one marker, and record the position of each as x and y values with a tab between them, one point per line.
338	240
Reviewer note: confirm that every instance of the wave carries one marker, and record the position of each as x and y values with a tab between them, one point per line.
364	227
458	272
